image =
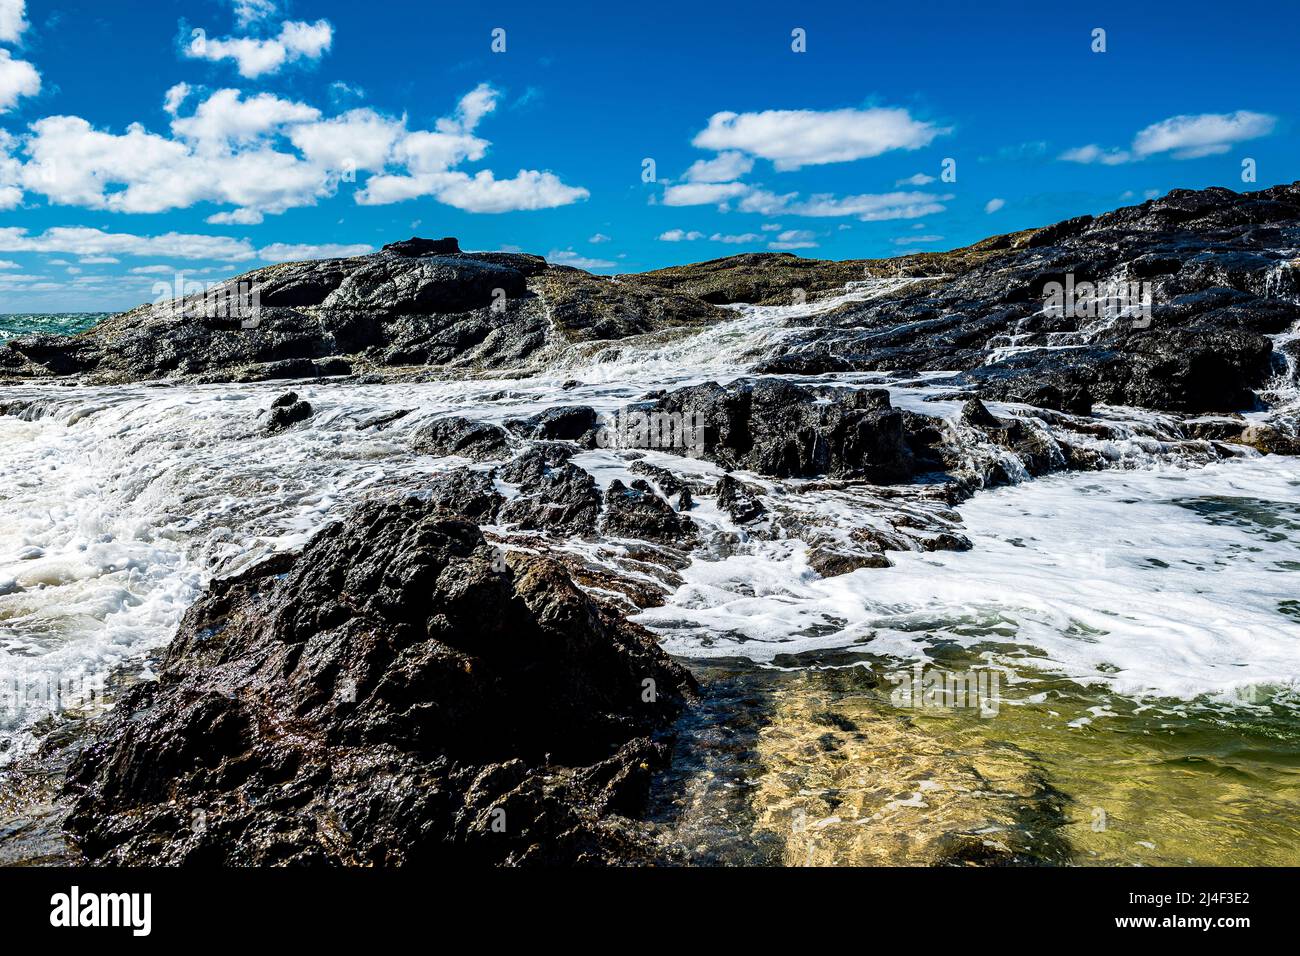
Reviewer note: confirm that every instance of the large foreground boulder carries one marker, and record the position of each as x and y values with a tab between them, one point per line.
397	693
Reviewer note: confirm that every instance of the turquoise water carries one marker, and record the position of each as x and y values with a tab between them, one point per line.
15	324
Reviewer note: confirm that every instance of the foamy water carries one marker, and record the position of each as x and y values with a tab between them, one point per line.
1159	581
117	505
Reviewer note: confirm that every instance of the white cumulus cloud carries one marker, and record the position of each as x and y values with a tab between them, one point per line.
294	252
262	155
703	194
1182	137
567	257
795	138
1190	137
254	56
721	169
18	78
13	23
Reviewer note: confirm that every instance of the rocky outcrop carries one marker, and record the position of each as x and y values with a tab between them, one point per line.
1221	277
453	435
782	278
286	411
399	692
774	427
639	512
553	494
1219	270
415	304
738	500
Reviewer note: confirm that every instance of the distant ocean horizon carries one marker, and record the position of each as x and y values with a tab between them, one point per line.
15	324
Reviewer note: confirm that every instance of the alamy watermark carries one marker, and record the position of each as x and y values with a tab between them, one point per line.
679	432
41	693
933	688
1092	300
211	300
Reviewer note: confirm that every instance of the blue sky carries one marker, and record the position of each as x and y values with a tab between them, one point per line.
133	147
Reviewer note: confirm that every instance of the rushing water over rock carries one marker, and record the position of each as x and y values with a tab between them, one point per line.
837	524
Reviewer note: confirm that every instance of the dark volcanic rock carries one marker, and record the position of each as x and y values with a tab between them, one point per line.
394	694
776	428
416	303
832	562
402	285
287	411
639	512
555	495
1221	276
477	441
415	247
738	500
469	493
566	423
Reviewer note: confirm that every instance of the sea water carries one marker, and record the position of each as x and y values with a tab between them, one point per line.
1145	620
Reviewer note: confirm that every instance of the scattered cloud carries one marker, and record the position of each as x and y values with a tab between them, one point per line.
792	139
1190	137
253	57
1030	152
85	241
1182	137
993	205
703	194
567	257
483	192
18	78
599	238
1093	153
248	12
794	239
866	207
175	96
263	154
917	240
294	252
721	169
694	235
13	23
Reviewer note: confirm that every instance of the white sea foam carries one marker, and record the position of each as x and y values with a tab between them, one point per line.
117	505
1161	581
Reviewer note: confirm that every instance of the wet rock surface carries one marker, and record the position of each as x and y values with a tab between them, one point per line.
478	441
1220	279
639	512
413	688
398	693
774	427
416	303
286	411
